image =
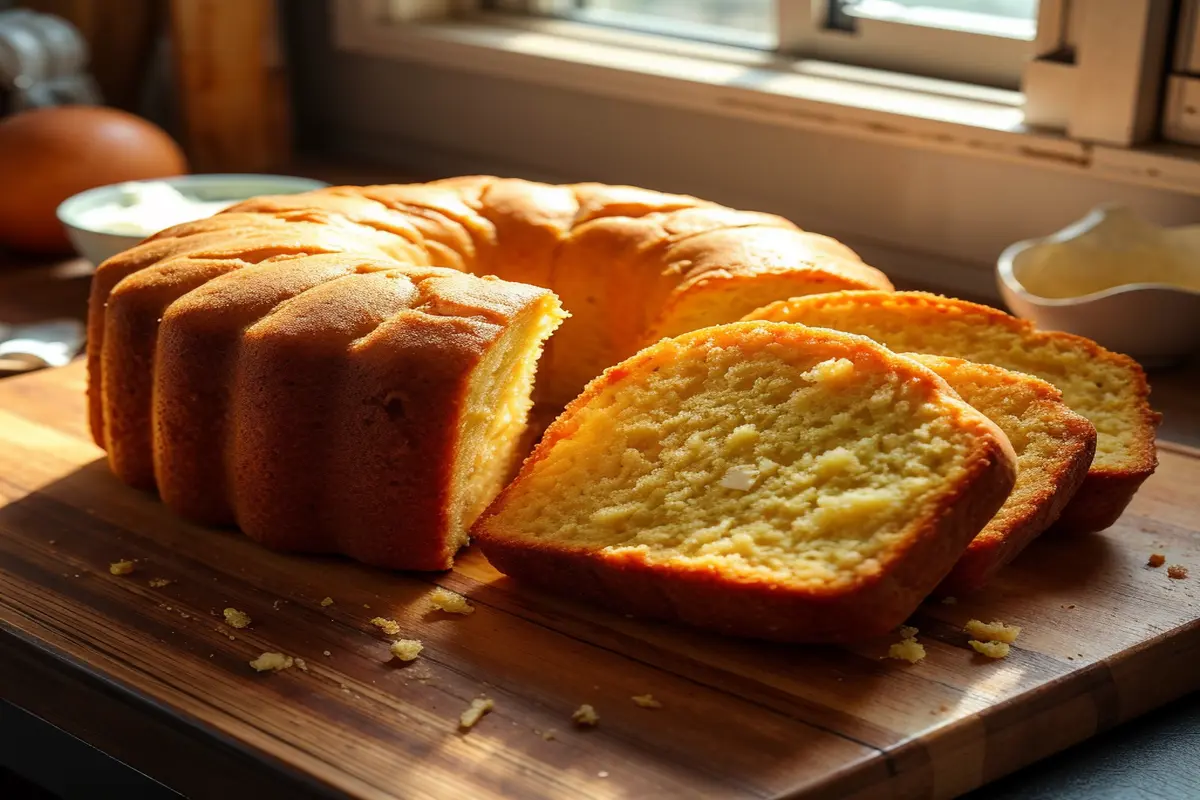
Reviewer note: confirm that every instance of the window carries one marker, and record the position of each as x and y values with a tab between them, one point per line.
940	73
975	41
1012	19
749	23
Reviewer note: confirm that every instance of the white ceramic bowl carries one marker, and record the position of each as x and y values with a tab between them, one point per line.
1131	286
98	245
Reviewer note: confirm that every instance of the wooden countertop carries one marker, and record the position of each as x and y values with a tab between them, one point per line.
143	670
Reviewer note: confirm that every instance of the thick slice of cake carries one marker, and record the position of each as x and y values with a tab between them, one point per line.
1108	388
758	479
1054	447
343	404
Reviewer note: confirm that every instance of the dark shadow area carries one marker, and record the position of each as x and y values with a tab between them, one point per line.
1156	757
1058	565
39	761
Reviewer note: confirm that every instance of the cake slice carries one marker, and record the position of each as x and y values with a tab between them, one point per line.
758	479
345	404
1054	448
1108	388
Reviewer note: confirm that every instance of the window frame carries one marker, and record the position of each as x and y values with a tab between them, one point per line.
885	106
1100	69
1099	77
646	23
893	45
902	46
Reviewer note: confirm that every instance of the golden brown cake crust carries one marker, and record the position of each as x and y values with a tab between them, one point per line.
205	383
859	608
1107	490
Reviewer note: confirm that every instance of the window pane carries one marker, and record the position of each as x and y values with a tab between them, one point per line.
1014	19
748	23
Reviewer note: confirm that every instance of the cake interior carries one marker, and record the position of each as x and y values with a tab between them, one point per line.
495	410
1042	437
764	460
1096	388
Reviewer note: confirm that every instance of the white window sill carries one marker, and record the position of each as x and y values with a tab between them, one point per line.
815	96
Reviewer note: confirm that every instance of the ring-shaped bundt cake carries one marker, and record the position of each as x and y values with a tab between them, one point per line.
328	372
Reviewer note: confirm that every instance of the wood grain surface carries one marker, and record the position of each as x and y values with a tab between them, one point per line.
231	84
1104	638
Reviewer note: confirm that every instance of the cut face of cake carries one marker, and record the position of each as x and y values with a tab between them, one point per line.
1108	388
759	479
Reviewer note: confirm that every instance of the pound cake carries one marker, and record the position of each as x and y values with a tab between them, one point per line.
1108	388
758	479
1054	448
373	414
348	370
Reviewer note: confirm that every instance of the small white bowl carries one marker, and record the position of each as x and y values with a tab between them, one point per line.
1129	285
98	245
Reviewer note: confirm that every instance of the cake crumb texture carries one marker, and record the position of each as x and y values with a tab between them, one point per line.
909	650
272	661
158	583
450	602
405	649
993	631
646	701
236	619
479	706
1156	560
328	601
1177	572
388	626
990	649
122	567
741	478
585	716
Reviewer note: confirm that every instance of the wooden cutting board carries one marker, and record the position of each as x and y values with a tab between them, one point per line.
1104	638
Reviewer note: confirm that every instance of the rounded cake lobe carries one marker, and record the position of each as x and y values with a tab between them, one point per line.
180	372
131	324
199	342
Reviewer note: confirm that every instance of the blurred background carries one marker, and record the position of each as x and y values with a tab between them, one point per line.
930	134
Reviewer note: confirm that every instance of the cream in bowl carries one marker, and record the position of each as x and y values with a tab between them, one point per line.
107	220
1130	285
142	208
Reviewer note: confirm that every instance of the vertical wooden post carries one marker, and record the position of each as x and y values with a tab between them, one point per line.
1099	69
232	85
1122	58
